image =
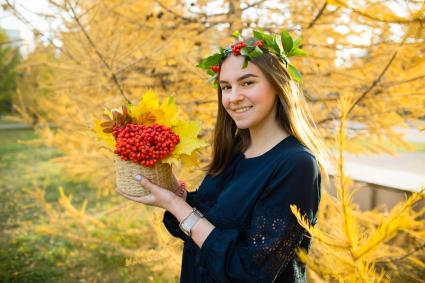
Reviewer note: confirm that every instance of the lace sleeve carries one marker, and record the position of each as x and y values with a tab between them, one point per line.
171	222
262	251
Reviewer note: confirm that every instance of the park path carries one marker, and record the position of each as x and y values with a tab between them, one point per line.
404	171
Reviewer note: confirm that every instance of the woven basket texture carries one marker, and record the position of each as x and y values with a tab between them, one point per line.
126	170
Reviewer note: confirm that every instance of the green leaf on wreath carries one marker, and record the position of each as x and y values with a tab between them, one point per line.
287	42
295	74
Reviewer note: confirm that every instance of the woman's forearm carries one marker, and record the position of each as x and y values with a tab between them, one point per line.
200	231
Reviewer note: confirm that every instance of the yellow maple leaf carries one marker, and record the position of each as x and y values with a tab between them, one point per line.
159	117
172	160
149	101
134	110
146	118
190	160
188	133
149	105
169	110
103	137
186	160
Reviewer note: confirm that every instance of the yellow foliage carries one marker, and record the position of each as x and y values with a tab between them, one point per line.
355	241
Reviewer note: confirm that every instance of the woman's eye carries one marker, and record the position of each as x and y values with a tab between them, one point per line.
223	88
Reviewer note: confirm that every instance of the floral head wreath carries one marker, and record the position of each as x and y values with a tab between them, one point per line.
282	45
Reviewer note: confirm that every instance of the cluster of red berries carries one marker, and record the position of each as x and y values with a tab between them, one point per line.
215	68
236	48
144	144
258	43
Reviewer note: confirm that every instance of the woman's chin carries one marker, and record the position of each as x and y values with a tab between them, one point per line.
242	126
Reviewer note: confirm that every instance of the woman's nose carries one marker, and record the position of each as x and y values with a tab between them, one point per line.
235	95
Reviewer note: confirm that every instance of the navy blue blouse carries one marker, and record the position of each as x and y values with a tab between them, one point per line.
255	234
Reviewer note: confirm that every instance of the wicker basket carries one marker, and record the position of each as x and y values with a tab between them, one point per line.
160	174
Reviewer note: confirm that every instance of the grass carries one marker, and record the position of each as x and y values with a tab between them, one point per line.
29	257
24	168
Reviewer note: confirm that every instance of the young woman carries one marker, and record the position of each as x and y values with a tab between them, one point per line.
238	225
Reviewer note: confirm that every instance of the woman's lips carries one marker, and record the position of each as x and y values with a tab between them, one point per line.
242	112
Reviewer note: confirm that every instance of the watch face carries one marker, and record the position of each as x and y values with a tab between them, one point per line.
188	223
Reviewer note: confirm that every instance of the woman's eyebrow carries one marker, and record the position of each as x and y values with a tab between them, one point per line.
242	77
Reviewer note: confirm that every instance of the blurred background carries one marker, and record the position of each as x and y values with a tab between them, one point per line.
62	62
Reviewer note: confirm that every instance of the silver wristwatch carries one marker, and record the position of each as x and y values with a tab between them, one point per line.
187	223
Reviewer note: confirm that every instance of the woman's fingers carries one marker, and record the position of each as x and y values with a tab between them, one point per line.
148	199
147	184
157	196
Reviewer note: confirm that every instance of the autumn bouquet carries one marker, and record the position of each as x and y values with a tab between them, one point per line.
148	139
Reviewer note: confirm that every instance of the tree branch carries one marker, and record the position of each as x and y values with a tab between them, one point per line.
374	83
311	24
98	53
403	81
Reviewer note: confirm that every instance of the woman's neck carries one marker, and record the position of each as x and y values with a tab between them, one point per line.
264	138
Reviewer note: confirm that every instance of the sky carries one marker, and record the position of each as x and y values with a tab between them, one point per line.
29	9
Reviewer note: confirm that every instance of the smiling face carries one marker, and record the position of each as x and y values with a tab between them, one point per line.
247	95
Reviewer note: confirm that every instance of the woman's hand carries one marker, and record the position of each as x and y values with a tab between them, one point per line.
158	196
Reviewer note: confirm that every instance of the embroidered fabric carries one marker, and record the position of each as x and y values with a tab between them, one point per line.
272	243
260	253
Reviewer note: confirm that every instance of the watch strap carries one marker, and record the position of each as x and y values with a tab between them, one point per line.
187	223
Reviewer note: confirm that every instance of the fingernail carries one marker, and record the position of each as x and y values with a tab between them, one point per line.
138	178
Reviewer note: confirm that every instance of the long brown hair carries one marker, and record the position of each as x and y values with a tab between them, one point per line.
292	113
